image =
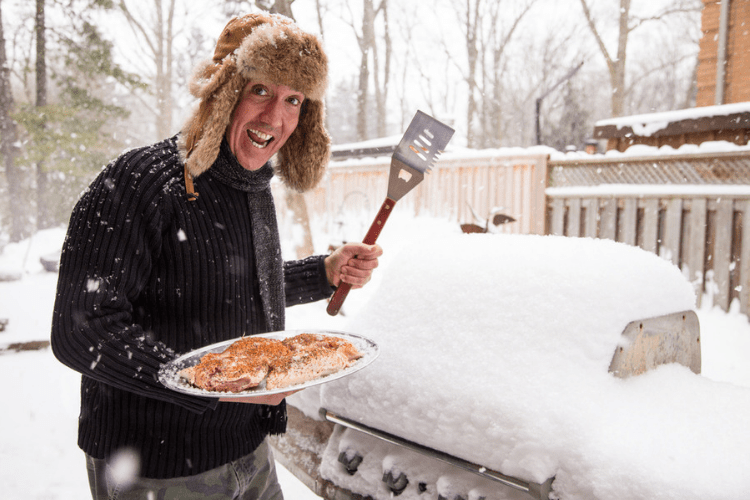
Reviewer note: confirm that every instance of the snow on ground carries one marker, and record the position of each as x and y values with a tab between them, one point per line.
649	459
38	452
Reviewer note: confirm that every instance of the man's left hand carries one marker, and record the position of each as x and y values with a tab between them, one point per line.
352	263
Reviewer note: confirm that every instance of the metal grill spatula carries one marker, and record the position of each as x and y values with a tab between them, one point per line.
419	147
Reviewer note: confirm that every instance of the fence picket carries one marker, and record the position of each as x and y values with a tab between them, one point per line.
723	251
696	250
558	217
608	221
649	241
591	221
574	217
629	221
672	231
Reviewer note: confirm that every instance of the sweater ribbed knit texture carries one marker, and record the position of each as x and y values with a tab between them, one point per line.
147	275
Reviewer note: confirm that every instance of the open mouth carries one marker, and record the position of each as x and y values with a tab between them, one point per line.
259	139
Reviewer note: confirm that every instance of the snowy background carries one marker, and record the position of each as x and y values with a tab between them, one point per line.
668	434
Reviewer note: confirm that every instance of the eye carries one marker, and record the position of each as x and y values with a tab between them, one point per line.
259	90
294	100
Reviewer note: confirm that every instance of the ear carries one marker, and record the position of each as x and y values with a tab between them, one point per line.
304	156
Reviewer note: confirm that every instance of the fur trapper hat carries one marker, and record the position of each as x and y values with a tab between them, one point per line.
267	48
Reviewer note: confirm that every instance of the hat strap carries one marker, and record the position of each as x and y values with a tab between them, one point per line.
189	187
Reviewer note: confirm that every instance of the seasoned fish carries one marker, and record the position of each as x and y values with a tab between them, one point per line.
246	363
242	366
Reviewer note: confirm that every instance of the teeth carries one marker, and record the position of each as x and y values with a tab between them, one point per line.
262	135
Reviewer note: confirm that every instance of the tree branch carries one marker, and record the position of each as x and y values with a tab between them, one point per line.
599	41
638	22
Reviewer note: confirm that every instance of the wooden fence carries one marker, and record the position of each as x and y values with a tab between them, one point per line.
688	208
452	189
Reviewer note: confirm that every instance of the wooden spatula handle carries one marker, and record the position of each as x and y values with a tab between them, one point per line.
337	300
377	225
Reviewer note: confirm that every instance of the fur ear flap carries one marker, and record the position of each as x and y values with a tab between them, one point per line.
211	76
203	132
304	156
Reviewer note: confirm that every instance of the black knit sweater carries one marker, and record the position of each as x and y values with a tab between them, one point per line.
147	275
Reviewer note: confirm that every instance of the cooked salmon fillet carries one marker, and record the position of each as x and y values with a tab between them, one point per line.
243	365
308	341
312	356
246	363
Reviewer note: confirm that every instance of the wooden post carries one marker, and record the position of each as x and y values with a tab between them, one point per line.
673	228
723	251
574	217
592	217
608	223
627	227
650	241
696	251
558	217
745	258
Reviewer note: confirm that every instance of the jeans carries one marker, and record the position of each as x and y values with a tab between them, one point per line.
252	477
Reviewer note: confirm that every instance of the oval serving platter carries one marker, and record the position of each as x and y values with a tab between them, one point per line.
169	372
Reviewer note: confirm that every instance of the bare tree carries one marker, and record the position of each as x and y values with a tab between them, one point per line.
365	40
320	11
8	141
415	59
627	22
488	29
381	88
471	22
615	64
157	39
493	50
369	67
43	219
283	7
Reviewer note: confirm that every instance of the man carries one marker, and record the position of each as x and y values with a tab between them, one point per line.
175	246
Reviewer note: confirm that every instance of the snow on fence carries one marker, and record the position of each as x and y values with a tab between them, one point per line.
686	208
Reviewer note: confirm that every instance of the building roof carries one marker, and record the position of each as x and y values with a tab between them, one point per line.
693	120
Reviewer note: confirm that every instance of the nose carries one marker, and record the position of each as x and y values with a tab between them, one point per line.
272	113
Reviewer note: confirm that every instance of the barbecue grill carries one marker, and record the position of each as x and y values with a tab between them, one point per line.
648	343
388	431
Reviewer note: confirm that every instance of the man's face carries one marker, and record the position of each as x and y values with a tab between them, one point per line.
263	120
